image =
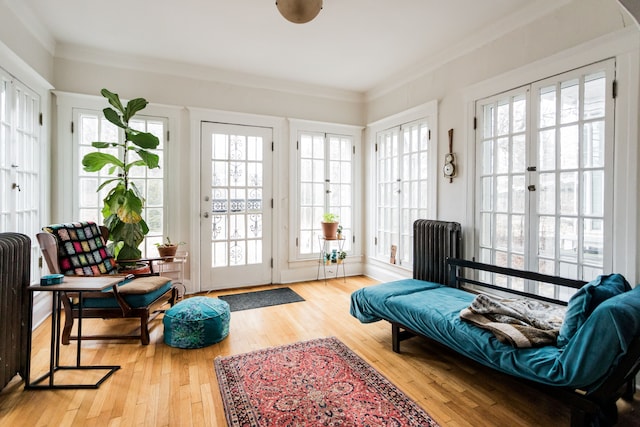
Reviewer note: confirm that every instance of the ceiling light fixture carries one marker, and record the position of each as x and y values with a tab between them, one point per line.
299	11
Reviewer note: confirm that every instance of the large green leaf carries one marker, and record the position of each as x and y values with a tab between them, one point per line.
111	115
130	210
133	107
107	182
130	165
136	191
152	160
114	99
100	144
128	252
93	162
143	139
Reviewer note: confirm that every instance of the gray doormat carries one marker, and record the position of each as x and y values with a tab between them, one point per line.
257	299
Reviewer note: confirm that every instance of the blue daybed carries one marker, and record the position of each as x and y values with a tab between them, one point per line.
593	363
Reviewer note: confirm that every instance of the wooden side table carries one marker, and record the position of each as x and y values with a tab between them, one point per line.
69	284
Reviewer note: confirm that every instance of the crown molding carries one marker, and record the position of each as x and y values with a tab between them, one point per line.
160	66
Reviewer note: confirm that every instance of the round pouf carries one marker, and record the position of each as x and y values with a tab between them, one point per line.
196	322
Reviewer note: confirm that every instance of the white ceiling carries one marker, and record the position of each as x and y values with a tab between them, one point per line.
354	45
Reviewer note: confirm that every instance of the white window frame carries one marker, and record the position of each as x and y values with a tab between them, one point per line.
425	113
502	173
24	193
296	127
67	210
624	46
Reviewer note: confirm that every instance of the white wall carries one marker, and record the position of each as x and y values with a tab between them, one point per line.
532	52
200	97
176	85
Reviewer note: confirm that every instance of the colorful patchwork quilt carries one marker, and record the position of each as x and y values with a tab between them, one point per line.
81	250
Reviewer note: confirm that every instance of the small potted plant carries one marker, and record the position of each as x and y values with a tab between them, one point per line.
341	256
330	226
168	249
339	232
327	258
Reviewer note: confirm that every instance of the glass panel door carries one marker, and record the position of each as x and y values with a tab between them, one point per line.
20	162
236	205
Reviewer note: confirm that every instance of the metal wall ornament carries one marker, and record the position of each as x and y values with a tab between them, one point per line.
299	11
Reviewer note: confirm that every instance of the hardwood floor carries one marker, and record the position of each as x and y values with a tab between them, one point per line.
158	385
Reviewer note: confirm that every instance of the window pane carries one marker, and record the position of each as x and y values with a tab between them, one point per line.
547	150
593	145
547	194
569	193
569	147
519	154
547	111
519	113
569	100
547	236
502	155
593	193
594	95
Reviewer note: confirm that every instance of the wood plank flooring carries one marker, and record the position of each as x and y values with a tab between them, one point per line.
158	385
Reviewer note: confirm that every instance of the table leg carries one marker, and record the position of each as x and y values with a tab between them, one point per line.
79	340
54	357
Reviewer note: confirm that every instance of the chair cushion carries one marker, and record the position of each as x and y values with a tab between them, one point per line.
143	285
134	299
81	250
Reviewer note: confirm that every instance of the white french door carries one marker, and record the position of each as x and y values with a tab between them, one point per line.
236	205
20	162
545	176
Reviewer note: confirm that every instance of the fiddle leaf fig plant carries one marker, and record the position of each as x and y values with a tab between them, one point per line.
123	204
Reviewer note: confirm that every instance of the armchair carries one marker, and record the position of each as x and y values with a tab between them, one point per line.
79	249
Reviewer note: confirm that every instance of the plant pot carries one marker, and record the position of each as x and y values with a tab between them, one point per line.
138	268
330	230
168	251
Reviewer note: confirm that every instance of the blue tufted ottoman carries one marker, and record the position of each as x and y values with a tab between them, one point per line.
196	322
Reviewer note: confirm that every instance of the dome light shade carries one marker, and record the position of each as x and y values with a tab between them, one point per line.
299	11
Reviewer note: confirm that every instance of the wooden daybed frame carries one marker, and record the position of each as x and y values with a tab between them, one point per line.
599	403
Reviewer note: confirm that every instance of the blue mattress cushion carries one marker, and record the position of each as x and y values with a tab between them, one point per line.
588	297
196	322
434	311
138	293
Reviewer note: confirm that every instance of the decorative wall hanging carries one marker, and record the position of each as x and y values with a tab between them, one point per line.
449	168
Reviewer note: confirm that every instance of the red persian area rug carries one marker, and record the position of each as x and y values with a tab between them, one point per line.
313	383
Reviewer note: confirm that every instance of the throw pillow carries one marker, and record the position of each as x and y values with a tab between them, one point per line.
583	302
81	250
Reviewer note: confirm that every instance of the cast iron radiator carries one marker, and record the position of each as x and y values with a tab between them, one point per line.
433	243
15	262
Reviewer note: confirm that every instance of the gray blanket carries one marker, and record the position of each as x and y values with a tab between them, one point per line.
522	323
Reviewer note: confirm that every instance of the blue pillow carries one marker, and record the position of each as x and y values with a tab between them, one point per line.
588	297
